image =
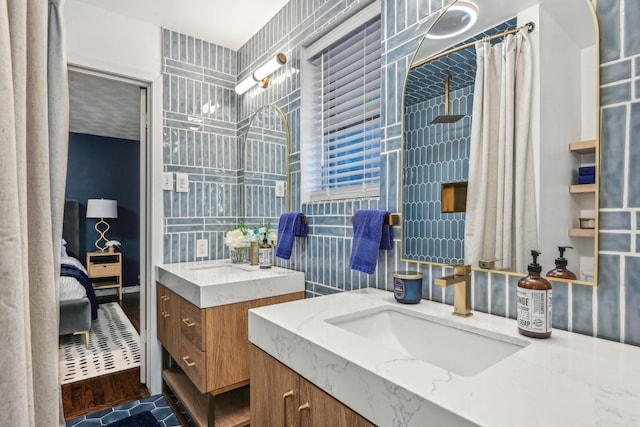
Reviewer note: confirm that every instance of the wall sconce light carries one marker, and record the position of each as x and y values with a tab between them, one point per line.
261	75
102	208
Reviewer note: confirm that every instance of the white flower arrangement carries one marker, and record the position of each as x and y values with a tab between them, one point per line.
241	236
113	244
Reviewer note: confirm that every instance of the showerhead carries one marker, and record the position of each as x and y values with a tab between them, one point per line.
446	118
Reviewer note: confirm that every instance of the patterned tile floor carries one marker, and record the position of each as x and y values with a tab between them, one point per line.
157	404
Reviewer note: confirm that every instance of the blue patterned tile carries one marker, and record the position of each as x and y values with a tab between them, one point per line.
498	294
615	220
560	305
615	94
609	20
612	166
614	242
480	291
612	73
632	300
609	297
631	18
634	154
582	299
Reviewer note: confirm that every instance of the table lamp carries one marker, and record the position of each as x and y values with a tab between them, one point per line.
102	208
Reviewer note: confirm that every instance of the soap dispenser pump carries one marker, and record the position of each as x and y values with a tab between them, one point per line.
561	271
534	302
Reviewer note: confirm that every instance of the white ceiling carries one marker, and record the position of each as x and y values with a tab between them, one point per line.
228	23
110	108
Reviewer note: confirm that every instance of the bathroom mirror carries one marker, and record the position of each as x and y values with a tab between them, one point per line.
265	172
564	132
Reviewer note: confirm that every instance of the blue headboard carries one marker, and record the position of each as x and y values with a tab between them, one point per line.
71	227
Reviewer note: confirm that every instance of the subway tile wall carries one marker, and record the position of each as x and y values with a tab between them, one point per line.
610	311
199	139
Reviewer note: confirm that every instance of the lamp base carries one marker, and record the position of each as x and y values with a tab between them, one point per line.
101	234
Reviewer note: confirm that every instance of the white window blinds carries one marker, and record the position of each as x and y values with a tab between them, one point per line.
343	116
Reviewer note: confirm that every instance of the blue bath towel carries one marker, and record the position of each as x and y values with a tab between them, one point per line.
368	232
289	227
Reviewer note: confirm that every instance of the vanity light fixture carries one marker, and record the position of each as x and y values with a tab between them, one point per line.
261	75
456	20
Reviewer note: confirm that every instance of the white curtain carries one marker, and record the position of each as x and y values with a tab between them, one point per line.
31	201
501	207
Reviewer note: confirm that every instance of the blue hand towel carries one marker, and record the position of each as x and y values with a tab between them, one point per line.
367	239
289	227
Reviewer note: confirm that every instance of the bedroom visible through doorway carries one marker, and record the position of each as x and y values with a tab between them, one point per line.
108	160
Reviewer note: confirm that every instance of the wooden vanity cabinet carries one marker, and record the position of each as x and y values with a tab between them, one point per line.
210	347
281	397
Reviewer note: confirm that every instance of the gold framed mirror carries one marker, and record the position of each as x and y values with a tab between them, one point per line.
265	167
564	133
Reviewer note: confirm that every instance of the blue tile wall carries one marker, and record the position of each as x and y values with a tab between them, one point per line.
193	68
435	154
199	138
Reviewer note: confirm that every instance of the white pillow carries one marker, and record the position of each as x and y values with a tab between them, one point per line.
63	249
73	261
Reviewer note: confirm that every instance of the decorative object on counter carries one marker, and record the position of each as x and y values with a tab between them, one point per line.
240	237
238	255
587	174
253	254
265	253
102	208
407	286
534	302
291	225
561	271
112	246
369	235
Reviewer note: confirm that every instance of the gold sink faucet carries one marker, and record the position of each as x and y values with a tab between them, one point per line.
461	278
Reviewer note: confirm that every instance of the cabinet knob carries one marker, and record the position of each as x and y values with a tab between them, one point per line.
186	360
188	323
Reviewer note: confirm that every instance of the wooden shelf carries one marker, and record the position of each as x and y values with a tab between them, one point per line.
582	188
582	232
583	147
231	409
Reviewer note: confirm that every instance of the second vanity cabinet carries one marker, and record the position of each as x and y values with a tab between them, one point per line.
211	350
281	397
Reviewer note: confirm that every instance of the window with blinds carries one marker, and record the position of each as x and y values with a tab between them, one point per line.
341	109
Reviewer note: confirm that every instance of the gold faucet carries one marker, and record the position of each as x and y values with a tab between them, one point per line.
461	278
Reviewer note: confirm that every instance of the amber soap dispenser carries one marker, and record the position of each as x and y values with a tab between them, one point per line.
561	271
534	302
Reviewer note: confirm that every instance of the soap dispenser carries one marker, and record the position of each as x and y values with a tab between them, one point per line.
534	302
265	253
561	272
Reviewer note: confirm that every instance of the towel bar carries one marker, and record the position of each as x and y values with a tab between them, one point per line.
391	219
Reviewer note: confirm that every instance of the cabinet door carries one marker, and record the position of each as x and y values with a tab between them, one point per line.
317	408
168	310
274	391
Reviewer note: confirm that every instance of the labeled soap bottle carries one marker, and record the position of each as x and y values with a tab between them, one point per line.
265	253
561	271
534	302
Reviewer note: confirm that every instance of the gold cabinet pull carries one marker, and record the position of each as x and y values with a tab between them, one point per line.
188	323
186	360
303	407
166	313
284	406
163	308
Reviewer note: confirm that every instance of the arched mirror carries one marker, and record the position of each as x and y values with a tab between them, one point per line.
563	123
265	167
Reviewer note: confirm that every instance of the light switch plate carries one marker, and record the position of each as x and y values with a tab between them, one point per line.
167	181
202	248
280	188
182	183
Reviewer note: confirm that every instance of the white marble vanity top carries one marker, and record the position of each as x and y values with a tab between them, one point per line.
218	282
566	380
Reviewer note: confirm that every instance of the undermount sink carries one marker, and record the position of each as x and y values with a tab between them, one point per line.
219	269
464	350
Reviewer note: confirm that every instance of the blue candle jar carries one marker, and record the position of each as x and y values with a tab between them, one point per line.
407	286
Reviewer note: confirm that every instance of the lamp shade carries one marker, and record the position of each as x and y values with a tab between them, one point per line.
102	208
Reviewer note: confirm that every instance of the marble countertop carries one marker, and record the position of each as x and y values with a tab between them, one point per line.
218	282
566	380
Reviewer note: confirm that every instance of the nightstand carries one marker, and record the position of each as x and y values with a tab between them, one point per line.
105	270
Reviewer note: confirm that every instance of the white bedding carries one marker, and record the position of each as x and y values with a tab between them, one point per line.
70	288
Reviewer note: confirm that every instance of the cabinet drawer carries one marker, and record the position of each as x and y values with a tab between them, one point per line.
103	270
193	363
192	321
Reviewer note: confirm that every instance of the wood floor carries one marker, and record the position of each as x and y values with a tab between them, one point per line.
84	397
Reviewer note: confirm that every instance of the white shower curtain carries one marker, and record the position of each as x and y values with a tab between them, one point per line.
32	174
501	207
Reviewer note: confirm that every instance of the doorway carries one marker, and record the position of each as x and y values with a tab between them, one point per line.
108	158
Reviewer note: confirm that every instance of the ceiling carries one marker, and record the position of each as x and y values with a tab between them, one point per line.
105	107
223	22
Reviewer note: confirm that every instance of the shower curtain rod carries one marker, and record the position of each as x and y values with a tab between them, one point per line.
529	25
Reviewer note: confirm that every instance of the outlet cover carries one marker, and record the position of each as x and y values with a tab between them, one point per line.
202	248
182	183
167	181
280	188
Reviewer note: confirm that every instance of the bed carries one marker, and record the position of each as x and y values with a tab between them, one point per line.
78	304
